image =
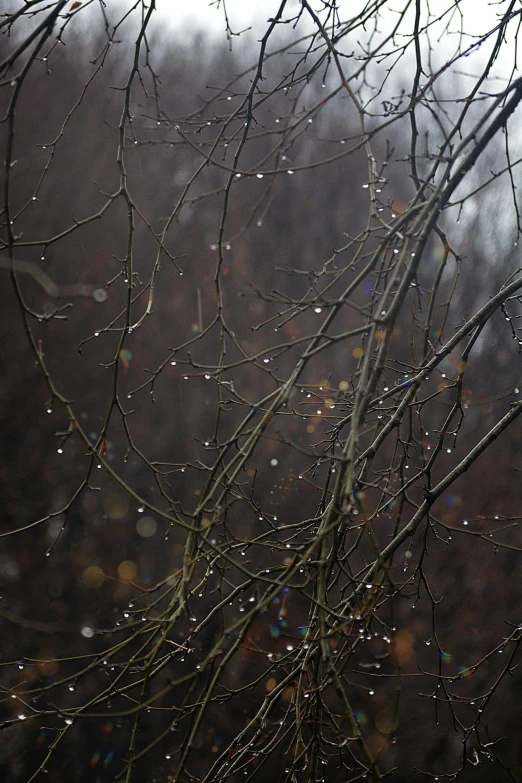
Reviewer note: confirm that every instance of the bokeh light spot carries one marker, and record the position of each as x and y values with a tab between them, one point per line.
127	570
146	527
93	576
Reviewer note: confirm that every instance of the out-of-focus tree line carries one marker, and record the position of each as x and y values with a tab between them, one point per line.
261	330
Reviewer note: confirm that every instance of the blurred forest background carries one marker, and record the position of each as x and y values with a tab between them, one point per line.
175	232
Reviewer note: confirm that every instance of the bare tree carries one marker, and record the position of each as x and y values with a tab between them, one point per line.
262	332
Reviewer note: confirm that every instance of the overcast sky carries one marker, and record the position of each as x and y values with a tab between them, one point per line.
209	14
476	17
